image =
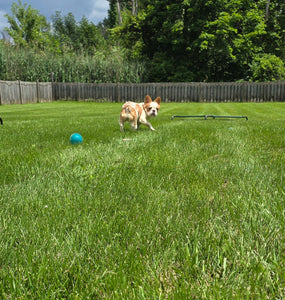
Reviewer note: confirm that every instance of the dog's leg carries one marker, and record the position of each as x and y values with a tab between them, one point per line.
121	126
147	123
150	127
134	124
121	123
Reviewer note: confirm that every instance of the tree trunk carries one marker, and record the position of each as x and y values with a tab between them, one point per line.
134	7
267	10
119	12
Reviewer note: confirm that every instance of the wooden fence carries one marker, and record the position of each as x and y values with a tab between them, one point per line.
18	92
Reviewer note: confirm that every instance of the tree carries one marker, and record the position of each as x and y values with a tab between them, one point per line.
230	42
112	14
66	30
89	36
168	32
118	7
275	23
119	12
75	37
267	67
243	35
205	40
135	7
27	25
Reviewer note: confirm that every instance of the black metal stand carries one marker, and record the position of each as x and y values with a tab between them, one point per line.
211	116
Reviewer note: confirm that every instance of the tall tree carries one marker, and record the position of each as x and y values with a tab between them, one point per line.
76	36
134	7
112	14
118	7
89	36
27	25
66	31
119	12
275	23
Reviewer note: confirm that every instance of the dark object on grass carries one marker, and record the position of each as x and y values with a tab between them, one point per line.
1	121
211	116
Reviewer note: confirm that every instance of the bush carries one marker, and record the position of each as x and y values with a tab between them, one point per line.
267	67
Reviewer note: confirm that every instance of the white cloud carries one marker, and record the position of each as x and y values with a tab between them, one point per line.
99	11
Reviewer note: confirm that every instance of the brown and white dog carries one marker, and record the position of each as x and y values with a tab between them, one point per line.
139	113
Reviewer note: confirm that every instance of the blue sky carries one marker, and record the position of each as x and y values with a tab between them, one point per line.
94	10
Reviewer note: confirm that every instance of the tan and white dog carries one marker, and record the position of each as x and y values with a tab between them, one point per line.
139	113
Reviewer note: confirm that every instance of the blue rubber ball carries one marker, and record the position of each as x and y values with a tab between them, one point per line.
76	138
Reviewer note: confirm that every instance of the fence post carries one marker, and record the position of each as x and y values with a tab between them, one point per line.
20	92
38	92
118	95
78	91
200	92
52	87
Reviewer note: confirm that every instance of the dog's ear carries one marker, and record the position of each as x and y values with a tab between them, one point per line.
147	99
157	100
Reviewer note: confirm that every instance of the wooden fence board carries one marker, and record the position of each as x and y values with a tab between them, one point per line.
19	92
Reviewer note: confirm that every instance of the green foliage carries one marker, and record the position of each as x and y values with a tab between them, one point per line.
75	52
112	14
77	37
230	42
130	36
104	66
204	40
168	41
90	37
192	211
275	23
66	31
3	61
27	26
267	67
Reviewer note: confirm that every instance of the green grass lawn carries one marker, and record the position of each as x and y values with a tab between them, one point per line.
194	210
